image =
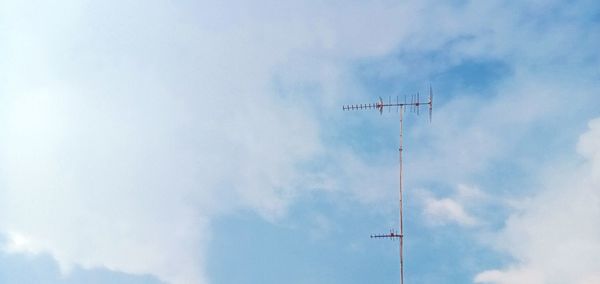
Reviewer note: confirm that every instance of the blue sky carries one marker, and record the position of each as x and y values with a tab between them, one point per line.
204	142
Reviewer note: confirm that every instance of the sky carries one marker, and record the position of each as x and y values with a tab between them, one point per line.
205	142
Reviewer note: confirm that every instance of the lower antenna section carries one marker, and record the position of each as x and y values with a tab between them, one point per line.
391	235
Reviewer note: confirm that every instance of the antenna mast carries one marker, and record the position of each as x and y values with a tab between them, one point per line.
414	107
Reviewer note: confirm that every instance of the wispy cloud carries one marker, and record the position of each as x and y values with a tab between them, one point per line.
452	209
556	236
448	210
121	154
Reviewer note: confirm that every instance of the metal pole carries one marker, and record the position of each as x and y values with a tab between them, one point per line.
401	217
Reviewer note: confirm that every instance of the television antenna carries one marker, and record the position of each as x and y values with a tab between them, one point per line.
412	106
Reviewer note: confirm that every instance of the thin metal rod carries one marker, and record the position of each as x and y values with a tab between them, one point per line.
401	217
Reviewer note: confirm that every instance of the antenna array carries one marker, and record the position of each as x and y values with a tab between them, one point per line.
413	105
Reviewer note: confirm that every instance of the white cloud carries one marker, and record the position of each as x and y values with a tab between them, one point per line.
589	147
123	139
514	277
126	127
555	238
448	210
452	209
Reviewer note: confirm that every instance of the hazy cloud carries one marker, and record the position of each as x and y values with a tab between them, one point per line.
555	238
451	209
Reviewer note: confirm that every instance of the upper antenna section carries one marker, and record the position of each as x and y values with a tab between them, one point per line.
413	105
